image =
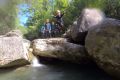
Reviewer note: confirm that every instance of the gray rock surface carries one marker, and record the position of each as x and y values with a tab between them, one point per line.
103	45
13	51
59	48
88	19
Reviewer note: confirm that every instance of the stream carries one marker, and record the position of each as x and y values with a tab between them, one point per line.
55	71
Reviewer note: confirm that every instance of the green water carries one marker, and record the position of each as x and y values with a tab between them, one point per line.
54	72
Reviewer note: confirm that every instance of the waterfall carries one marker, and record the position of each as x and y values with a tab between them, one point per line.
35	62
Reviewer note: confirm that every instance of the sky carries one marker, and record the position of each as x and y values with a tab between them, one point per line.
22	17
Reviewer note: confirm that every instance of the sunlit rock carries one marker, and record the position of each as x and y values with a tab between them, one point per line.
59	48
13	51
27	43
16	33
88	19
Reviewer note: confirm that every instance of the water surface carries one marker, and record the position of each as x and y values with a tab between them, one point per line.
55	72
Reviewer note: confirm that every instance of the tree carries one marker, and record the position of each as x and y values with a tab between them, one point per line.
43	9
7	15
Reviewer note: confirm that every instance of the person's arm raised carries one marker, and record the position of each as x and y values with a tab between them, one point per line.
53	16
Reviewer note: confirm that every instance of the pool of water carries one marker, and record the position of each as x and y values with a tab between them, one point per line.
55	72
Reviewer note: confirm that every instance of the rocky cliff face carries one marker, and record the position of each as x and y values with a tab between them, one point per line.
103	44
101	37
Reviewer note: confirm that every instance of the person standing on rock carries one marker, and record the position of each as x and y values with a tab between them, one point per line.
42	30
53	29
47	29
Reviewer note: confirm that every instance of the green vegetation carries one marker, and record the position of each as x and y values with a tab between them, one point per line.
44	9
7	15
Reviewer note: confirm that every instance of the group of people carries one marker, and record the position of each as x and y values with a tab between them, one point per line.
53	28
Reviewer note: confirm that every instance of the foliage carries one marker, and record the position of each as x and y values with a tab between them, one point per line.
23	29
32	33
41	10
7	15
112	8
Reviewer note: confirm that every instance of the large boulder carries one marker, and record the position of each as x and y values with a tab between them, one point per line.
26	44
88	19
103	44
59	48
16	33
13	51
